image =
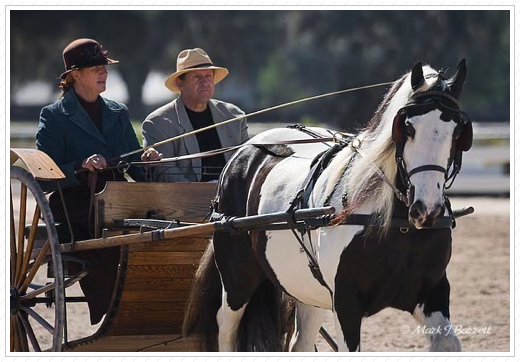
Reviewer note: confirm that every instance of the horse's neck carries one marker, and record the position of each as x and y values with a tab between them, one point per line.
359	176
333	184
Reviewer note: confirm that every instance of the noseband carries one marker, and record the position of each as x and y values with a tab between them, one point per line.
429	100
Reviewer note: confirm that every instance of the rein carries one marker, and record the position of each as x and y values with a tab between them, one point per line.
251	115
124	166
173	139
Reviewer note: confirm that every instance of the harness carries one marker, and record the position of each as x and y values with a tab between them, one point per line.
419	103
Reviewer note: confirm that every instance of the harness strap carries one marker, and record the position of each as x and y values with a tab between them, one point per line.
301	200
427	168
313	265
397	222
355	145
300	127
457	164
92	181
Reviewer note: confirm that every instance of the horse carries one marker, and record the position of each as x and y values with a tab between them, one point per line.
262	290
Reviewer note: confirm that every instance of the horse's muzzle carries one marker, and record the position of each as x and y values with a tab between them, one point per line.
421	217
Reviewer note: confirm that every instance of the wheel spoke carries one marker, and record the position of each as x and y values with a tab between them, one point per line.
35	293
23	336
13	243
38	319
17	342
30	333
12	333
30	246
34	269
28	259
34	286
21	226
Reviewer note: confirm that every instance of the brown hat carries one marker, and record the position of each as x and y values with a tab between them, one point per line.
193	59
84	53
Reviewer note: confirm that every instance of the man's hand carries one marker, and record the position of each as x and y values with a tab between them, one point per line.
94	162
151	154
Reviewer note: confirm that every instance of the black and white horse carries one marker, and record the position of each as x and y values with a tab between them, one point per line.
417	134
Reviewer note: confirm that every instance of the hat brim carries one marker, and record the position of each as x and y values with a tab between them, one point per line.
220	73
109	62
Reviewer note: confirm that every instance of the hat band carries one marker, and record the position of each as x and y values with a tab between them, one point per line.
199	66
91	63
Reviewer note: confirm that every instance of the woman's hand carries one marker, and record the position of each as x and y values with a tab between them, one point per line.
94	162
151	154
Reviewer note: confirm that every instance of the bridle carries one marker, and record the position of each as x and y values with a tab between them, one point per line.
422	103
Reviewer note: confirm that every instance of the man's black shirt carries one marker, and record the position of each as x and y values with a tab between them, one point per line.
208	140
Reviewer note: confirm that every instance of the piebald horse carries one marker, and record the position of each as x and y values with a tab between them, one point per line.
248	282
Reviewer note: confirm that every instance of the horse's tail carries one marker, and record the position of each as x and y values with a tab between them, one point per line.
267	323
200	318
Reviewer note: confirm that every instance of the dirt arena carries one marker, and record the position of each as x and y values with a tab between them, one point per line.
479	273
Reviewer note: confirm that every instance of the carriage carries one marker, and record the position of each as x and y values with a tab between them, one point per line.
153	277
401	240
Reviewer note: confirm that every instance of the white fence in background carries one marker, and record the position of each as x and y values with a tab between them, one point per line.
485	168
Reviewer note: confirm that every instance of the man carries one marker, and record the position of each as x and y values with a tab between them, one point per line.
195	80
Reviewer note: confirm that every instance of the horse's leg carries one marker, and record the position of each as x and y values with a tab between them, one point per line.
347	316
308	322
348	333
241	275
434	315
228	321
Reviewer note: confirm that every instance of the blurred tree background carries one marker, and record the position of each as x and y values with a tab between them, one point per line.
277	56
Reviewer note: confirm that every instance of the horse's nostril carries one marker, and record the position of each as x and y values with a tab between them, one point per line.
418	209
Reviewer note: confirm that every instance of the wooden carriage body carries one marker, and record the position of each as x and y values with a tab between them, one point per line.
154	278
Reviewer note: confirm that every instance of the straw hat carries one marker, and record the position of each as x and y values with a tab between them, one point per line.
190	60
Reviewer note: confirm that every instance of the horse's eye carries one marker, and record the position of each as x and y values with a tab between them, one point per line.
410	131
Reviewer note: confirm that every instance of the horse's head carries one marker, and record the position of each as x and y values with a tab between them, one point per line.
430	134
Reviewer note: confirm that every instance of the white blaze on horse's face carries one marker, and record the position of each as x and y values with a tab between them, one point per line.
430	145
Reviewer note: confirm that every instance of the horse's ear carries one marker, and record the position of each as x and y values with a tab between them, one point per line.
466	138
417	76
457	81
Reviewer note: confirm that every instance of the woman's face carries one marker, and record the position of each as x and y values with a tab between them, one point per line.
93	79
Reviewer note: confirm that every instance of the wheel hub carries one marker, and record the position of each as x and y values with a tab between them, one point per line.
15	301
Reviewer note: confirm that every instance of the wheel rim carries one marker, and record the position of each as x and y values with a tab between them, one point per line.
32	328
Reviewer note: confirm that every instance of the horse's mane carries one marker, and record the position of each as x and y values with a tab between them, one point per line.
361	184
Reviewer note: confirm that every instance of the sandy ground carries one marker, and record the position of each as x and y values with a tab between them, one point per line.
479	273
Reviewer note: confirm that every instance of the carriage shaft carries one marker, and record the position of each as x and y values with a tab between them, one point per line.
207	229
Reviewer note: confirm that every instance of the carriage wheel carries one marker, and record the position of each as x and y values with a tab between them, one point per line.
32	325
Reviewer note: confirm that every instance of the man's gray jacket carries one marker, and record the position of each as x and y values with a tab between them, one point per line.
172	120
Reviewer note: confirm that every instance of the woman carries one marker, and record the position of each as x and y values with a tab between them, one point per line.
80	133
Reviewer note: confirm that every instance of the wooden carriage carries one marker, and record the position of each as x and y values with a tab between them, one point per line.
154	277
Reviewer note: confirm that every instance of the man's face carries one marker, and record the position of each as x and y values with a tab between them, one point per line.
197	86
